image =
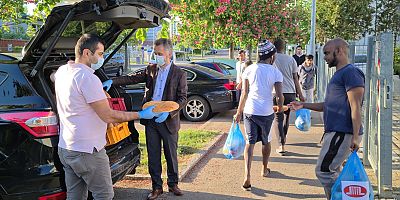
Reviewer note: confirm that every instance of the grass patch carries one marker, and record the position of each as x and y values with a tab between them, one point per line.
189	143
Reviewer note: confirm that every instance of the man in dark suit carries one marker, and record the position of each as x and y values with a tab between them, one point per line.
164	82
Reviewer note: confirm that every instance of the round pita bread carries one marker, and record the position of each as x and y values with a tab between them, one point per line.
162	106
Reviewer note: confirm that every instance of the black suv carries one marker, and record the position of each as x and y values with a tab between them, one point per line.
29	165
115	66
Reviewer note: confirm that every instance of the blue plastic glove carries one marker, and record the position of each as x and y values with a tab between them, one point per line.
107	84
147	113
161	117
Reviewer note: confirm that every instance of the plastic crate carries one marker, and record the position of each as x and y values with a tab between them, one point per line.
117	133
117	103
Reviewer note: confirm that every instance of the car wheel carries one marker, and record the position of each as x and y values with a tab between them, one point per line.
120	71
196	109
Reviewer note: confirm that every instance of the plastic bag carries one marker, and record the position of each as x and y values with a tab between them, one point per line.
303	119
353	182
235	143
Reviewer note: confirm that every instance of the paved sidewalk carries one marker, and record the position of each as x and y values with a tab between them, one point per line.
216	177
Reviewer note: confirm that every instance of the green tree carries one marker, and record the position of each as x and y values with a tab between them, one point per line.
388	16
347	19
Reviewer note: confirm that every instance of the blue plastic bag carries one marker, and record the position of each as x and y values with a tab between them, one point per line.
235	143
303	119
353	181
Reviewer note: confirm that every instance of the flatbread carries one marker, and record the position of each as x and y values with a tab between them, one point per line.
285	108
162	106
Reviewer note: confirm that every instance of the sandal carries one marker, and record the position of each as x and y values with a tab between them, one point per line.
280	152
266	173
246	187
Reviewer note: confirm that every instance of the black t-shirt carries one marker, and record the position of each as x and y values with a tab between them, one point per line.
299	59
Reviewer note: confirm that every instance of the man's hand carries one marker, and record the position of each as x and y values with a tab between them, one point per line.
280	109
239	86
301	97
237	117
107	84
161	117
295	105
355	144
147	113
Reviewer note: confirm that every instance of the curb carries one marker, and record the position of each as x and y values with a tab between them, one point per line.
197	157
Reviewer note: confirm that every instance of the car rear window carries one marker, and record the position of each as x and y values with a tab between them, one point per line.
16	92
203	70
76	28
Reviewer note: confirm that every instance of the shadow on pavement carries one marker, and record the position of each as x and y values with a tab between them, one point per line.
282	159
136	193
305	181
264	193
304	145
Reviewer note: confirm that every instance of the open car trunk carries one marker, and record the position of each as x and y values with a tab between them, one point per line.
54	43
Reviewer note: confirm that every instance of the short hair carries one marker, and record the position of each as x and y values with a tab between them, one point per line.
166	43
279	44
87	41
242	51
299	46
310	57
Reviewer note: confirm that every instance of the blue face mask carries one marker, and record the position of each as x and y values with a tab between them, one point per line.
160	60
97	65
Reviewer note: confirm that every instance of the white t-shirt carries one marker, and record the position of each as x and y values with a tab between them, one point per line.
81	128
262	78
288	66
239	70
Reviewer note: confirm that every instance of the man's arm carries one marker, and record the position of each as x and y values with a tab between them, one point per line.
181	94
243	98
297	85
139	77
319	107
108	115
279	96
355	96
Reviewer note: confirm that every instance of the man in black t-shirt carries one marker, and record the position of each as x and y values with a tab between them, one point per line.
299	56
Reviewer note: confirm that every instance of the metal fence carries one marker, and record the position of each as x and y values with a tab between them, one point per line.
376	61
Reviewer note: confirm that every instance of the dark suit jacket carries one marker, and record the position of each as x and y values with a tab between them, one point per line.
175	90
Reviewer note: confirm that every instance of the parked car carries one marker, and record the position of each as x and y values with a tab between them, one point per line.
219	67
208	92
29	164
115	66
230	62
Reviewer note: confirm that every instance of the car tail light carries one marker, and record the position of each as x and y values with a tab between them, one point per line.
55	196
230	85
38	124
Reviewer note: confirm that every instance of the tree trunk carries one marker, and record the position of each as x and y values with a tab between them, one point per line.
250	52
231	51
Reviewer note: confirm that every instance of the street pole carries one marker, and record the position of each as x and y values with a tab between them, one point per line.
313	22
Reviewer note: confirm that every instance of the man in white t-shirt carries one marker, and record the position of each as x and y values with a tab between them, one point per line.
290	89
84	112
256	102
239	70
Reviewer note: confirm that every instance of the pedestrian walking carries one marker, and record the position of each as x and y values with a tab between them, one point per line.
290	89
342	113
299	56
240	65
307	73
164	82
84	112
256	103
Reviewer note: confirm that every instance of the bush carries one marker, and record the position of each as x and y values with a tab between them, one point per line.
396	61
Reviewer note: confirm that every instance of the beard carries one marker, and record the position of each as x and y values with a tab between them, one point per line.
334	62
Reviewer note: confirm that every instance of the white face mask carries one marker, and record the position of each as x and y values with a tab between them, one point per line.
160	60
97	65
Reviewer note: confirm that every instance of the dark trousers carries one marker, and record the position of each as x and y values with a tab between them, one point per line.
281	121
155	133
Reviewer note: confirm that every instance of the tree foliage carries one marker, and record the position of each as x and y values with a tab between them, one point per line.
388	16
210	23
347	19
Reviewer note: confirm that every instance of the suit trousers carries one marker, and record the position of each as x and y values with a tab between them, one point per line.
157	133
